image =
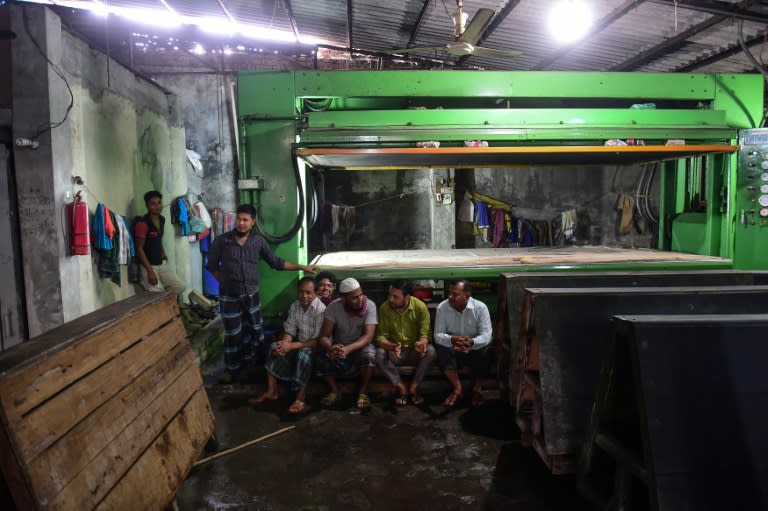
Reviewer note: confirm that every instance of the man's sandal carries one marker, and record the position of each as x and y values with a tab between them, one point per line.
363	401
330	399
298	407
452	399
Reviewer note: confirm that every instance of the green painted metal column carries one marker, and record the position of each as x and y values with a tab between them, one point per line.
268	131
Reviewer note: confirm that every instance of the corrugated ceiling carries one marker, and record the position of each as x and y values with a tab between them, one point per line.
631	35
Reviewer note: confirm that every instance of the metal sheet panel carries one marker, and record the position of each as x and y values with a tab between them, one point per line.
684	400
572	329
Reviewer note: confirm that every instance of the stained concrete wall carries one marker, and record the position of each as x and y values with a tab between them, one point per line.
397	210
122	135
394	210
542	193
206	105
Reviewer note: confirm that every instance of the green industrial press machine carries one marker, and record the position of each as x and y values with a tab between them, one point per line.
705	129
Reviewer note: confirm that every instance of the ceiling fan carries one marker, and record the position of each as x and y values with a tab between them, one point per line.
466	36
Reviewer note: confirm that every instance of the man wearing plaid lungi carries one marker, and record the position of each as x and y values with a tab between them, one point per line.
290	358
233	259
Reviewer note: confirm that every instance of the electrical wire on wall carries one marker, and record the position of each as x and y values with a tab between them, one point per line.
45	127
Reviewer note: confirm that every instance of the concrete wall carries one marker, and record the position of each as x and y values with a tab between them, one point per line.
123	136
205	100
394	210
415	221
5	58
541	193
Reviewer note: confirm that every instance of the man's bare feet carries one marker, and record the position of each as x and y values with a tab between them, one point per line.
264	397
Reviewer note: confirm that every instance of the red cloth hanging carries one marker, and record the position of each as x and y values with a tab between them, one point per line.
109	227
79	239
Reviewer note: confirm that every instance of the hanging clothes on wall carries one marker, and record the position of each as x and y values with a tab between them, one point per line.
100	239
126	249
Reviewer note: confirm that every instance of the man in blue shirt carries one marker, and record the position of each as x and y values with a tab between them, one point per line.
462	336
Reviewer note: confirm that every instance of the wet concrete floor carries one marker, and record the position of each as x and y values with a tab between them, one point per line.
411	458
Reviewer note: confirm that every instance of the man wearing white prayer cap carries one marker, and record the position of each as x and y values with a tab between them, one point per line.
345	339
348	284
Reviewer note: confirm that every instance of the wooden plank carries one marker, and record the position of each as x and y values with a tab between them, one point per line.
154	479
51	420
13	475
60	357
502	257
53	470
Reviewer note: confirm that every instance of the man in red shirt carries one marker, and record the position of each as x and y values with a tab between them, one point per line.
148	234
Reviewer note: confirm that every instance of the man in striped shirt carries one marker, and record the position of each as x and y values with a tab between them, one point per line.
290	358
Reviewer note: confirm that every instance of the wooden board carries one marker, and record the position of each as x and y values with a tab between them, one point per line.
684	401
572	329
83	404
471	258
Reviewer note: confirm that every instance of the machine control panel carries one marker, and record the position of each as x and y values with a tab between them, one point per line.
751	207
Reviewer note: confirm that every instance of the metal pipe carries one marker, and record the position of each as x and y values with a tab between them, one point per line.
748	53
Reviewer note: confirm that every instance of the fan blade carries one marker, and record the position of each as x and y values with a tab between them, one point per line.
490	52
416	50
477	26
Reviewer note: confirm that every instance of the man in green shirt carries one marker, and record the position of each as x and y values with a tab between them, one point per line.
402	337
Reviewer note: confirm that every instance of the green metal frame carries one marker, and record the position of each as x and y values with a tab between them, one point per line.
279	111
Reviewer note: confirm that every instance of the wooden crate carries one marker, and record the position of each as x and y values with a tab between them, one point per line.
105	412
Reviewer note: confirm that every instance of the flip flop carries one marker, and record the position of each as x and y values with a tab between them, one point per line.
417	399
451	400
477	398
298	407
330	399
401	400
363	401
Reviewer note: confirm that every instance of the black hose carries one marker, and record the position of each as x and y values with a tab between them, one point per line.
282	238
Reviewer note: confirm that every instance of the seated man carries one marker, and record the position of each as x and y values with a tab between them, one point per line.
403	338
325	284
345	342
290	358
462	335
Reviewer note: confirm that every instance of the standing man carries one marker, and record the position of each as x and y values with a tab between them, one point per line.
345	342
403	338
462	335
290	358
148	232
233	260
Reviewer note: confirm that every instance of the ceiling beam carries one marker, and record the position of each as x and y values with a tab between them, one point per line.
226	12
417	26
493	25
716	57
169	8
371	53
291	18
667	46
349	24
716	8
595	29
